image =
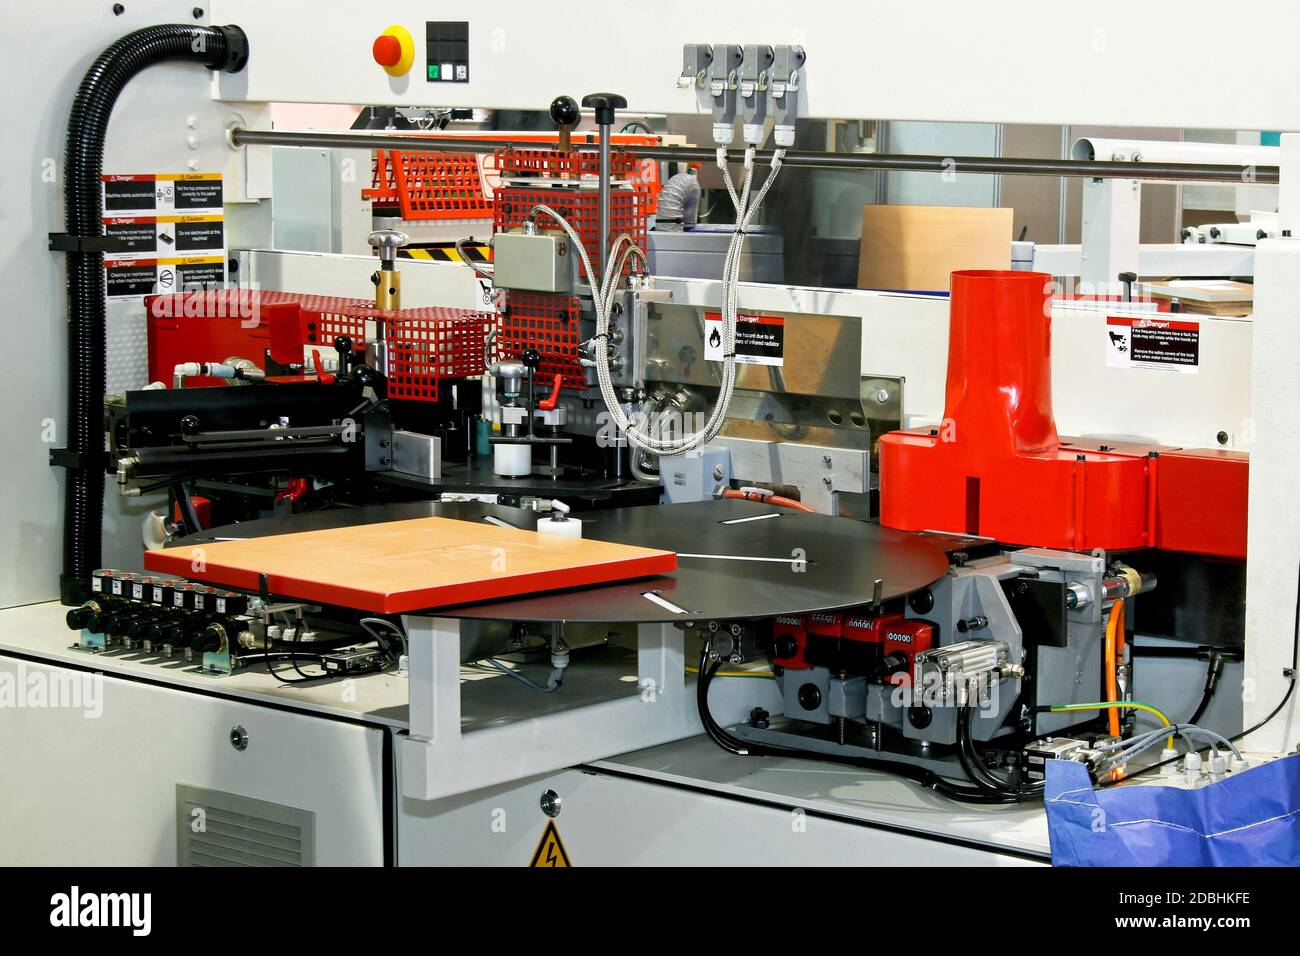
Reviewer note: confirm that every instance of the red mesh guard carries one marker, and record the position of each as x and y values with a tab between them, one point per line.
541	321
425	345
549	324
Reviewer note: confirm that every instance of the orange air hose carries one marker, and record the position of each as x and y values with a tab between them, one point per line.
779	500
1114	642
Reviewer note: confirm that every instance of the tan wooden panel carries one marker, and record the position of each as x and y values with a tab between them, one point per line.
919	247
399	566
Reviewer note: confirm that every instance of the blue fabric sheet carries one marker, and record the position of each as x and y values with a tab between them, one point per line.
1250	818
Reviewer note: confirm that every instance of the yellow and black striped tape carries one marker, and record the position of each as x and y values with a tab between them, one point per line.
446	252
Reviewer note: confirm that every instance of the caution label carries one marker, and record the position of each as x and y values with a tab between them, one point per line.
153	236
171	233
1153	343
550	850
760	339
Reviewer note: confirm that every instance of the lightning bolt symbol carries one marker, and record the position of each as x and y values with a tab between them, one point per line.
550	854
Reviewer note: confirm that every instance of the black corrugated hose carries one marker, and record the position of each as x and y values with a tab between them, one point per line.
218	48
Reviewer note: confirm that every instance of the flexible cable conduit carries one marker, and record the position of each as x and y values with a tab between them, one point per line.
218	48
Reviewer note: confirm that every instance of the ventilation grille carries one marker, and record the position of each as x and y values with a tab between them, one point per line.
214	828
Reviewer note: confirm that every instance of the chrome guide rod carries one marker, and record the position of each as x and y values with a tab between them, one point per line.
806	159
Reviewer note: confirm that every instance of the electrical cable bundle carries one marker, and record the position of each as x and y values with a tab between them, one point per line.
925	778
1289	673
604	287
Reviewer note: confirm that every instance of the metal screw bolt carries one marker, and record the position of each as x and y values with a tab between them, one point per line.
882	395
550	803
239	737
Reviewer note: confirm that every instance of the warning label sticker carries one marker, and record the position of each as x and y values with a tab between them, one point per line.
171	233
148	193
163	235
127	278
1166	344
550	851
760	339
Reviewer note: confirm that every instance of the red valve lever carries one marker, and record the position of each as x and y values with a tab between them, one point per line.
324	377
550	401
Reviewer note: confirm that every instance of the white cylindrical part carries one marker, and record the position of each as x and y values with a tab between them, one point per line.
512	461
1160	151
569	527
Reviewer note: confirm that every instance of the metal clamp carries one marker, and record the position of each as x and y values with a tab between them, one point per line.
62	242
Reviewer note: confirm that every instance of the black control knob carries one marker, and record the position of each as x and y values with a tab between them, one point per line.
364	375
117	625
920	717
810	697
137	629
564	111
208	640
172	634
531	358
87	617
786	646
604	104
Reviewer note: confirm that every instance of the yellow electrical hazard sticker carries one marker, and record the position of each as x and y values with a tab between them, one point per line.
550	851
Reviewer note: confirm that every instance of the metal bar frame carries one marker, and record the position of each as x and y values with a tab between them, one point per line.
438	759
808	159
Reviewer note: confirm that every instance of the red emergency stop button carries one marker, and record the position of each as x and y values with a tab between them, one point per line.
387	50
394	50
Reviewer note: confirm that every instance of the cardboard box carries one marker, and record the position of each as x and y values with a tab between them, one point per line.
917	248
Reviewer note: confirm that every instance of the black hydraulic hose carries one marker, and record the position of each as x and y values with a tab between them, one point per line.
218	48
1213	671
973	764
925	778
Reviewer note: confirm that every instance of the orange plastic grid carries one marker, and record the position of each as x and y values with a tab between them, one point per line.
448	185
430	185
555	164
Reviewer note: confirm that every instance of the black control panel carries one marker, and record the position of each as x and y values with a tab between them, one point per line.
446	48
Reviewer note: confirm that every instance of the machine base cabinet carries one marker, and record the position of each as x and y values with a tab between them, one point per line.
112	782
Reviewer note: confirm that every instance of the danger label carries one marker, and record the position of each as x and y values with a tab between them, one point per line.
760	339
1153	343
168	231
150	236
128	278
146	193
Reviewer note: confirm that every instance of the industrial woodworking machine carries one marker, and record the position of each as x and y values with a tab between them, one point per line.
383	430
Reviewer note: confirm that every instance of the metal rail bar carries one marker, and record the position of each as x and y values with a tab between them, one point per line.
807	159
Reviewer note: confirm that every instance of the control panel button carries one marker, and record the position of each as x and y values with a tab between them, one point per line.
387	50
394	50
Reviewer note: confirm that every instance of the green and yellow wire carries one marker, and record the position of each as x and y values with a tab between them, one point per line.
1116	705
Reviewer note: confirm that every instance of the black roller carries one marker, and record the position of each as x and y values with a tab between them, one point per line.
218	48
